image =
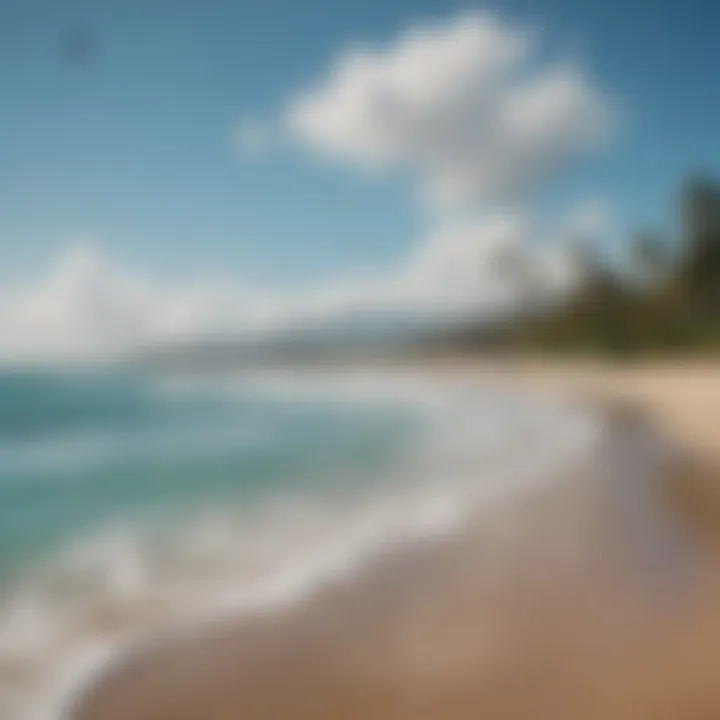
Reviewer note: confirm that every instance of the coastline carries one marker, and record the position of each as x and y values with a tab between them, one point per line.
679	400
582	601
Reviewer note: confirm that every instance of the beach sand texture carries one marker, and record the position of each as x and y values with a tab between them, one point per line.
592	599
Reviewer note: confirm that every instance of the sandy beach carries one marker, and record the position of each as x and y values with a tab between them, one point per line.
681	398
594	598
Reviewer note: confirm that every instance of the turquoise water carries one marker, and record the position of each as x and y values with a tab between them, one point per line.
132	506
81	451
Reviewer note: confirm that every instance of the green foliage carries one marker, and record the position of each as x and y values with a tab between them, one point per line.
668	302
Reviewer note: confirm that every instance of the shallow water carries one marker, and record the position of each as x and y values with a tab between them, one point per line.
130	505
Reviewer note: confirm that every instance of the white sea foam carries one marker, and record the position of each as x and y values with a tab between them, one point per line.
106	594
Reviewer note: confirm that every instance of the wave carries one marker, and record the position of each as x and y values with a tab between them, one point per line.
130	583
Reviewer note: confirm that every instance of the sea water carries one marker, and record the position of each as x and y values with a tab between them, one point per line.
132	506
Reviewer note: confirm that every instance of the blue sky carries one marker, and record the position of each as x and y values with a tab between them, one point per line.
132	146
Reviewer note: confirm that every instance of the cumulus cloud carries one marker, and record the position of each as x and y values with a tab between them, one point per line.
87	305
467	107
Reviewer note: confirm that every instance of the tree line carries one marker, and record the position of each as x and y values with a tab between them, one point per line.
664	298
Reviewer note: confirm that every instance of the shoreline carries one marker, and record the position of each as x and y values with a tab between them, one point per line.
423	629
679	400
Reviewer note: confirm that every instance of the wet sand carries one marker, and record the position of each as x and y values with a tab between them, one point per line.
592	598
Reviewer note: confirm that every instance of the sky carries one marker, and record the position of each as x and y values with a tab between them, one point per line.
286	144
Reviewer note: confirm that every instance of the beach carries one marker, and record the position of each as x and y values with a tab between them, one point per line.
594	596
360	361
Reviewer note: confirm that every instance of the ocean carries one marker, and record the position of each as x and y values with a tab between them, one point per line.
136	505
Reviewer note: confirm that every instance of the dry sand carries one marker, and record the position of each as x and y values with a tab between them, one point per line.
681	398
590	600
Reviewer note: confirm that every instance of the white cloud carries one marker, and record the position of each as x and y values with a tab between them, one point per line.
467	107
87	305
